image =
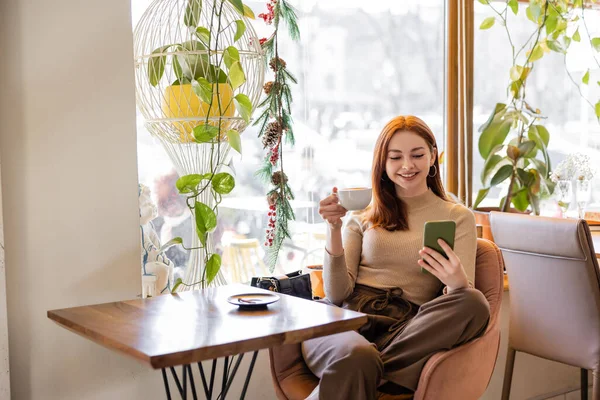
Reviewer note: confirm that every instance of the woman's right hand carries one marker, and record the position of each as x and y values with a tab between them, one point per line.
331	211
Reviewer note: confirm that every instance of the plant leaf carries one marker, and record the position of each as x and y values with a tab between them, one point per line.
205	133
540	166
543	133
514	6
597	109
489	165
203	89
203	34
596	43
487	23
192	13
525	177
239	6
513	152
534	188
534	11
576	36
497	108
234	139
236	75
213	265
515	72
526	147
480	196
156	65
174	241
534	134
520	200
248	12
177	70
177	283
223	183
206	220
243	105
231	55
551	23
188	183
502	174
537	53
240	29
555	46
493	135
586	77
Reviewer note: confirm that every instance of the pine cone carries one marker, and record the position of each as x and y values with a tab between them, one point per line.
272	134
267	87
273	63
270	87
278	178
272	198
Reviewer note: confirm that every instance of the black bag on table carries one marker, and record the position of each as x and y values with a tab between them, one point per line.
295	284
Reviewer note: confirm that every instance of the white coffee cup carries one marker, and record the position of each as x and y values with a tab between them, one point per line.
355	198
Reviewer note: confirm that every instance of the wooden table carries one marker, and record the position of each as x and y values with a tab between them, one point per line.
596	241
185	328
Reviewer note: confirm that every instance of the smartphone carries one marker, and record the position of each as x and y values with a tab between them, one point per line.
435	230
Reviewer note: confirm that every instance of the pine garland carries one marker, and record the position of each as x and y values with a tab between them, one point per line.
275	123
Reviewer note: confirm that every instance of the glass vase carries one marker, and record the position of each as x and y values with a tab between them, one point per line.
564	192
583	194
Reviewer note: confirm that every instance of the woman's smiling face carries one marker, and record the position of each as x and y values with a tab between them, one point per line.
409	160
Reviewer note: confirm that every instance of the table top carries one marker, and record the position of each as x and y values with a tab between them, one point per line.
183	328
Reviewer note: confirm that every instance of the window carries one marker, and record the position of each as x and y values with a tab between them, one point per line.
359	64
570	120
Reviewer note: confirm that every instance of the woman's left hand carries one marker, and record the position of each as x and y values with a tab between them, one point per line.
450	271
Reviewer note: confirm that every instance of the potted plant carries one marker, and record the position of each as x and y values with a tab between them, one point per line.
514	140
197	87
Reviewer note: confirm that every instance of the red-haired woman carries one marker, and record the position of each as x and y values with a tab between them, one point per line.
373	265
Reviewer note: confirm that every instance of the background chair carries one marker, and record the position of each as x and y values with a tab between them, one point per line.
243	260
462	373
554	292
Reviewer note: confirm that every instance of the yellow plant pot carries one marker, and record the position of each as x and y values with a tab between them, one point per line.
180	102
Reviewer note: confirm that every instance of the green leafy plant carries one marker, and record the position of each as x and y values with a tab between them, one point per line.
514	140
210	72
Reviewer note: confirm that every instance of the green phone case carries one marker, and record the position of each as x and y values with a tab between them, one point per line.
435	230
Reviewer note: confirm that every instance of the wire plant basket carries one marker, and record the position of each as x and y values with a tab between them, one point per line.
182	50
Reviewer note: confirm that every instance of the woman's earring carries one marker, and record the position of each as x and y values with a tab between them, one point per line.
434	171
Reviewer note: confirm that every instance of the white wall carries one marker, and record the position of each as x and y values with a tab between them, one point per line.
4	370
69	180
68	148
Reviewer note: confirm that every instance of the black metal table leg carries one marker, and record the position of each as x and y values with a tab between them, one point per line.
248	375
166	382
230	369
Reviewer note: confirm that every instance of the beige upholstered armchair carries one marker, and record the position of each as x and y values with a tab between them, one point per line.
462	373
554	292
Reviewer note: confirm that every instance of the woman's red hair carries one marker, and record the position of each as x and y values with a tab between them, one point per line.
387	210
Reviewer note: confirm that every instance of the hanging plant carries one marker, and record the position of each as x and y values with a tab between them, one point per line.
206	86
275	124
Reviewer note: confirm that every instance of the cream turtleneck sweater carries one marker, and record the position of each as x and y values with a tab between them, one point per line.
384	260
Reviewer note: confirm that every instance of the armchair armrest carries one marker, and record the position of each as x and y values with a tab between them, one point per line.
462	373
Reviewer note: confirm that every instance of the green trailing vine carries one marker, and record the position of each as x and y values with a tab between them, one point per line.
212	74
275	122
514	140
